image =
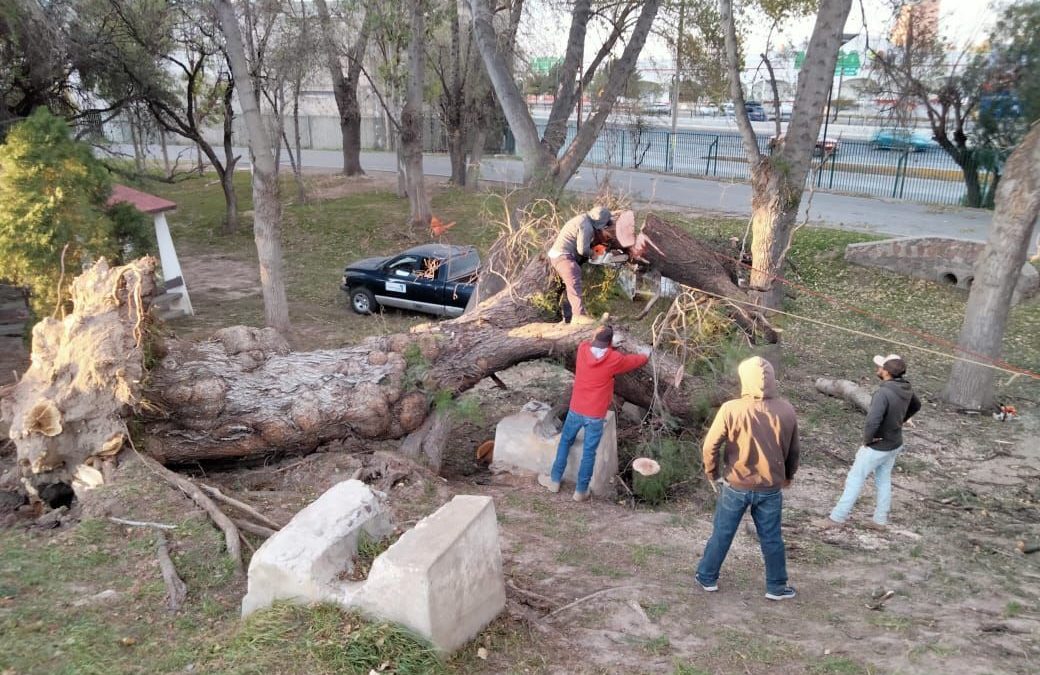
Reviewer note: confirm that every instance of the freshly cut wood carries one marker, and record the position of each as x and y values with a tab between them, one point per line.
850	391
688	261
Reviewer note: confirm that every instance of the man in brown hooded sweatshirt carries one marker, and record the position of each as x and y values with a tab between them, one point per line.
757	435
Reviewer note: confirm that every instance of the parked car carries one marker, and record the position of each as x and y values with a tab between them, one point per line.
785	112
755	111
902	139
432	278
658	109
825	146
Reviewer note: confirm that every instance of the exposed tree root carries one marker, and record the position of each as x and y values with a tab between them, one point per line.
176	589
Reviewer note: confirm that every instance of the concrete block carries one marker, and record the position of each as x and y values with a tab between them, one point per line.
518	448
443	578
304	560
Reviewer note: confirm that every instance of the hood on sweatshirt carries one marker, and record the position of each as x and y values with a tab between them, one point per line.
899	387
756	378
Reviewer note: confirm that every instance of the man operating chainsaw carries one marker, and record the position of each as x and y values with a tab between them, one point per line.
574	246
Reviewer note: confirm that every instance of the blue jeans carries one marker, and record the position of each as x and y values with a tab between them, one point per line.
868	460
766	510
593	432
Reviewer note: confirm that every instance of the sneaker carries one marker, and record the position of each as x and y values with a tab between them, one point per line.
828	524
583	320
581	496
708	588
548	483
785	594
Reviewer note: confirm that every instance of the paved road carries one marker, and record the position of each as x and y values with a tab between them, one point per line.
895	218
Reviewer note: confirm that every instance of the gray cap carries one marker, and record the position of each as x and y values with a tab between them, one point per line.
600	216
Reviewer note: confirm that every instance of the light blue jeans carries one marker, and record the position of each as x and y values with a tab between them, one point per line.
593	432
868	461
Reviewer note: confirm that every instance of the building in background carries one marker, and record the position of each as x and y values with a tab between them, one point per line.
919	19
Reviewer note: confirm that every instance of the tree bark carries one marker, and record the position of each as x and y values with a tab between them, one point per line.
344	86
412	120
267	208
227	173
778	180
996	274
688	261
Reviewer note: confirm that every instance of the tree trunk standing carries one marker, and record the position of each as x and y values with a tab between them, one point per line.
344	87
973	190
167	169
267	209
778	180
227	179
476	155
996	273
544	174
301	191
412	119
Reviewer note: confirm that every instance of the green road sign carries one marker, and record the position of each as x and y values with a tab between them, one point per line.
543	64
848	63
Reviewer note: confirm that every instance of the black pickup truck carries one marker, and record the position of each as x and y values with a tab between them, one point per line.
432	278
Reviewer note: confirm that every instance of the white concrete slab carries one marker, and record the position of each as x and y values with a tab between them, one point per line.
518	449
303	561
443	578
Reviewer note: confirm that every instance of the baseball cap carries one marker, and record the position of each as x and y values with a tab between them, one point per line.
600	216
893	363
604	337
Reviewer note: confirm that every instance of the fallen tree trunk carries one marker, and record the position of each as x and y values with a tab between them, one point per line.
684	259
845	389
243	394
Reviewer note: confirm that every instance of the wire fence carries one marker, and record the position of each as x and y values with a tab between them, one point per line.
857	167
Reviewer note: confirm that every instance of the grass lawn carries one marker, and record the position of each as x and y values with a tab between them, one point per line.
53	619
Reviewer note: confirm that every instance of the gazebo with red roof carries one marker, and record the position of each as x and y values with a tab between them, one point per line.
175	300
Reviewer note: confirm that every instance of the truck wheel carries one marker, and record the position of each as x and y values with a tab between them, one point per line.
362	301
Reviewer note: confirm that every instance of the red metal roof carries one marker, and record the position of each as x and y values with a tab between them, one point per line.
142	201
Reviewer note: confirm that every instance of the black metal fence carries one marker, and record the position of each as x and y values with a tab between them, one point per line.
858	167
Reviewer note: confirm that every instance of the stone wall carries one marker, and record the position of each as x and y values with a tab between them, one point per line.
943	260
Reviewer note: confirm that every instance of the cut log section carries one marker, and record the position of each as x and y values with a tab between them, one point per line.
844	389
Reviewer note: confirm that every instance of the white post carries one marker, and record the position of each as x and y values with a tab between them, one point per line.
171	267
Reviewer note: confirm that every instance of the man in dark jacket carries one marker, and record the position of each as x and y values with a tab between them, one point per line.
572	247
892	405
757	438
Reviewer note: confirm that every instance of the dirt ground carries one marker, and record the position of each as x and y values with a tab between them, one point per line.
607	586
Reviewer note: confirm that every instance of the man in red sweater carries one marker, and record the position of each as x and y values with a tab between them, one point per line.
597	365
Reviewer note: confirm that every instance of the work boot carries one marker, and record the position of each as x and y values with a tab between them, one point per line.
548	483
583	320
828	524
581	496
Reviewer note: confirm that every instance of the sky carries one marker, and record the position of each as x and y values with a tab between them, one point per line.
964	21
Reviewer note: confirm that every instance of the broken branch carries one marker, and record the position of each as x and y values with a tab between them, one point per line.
241	506
142	523
176	589
231	533
253	528
844	389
